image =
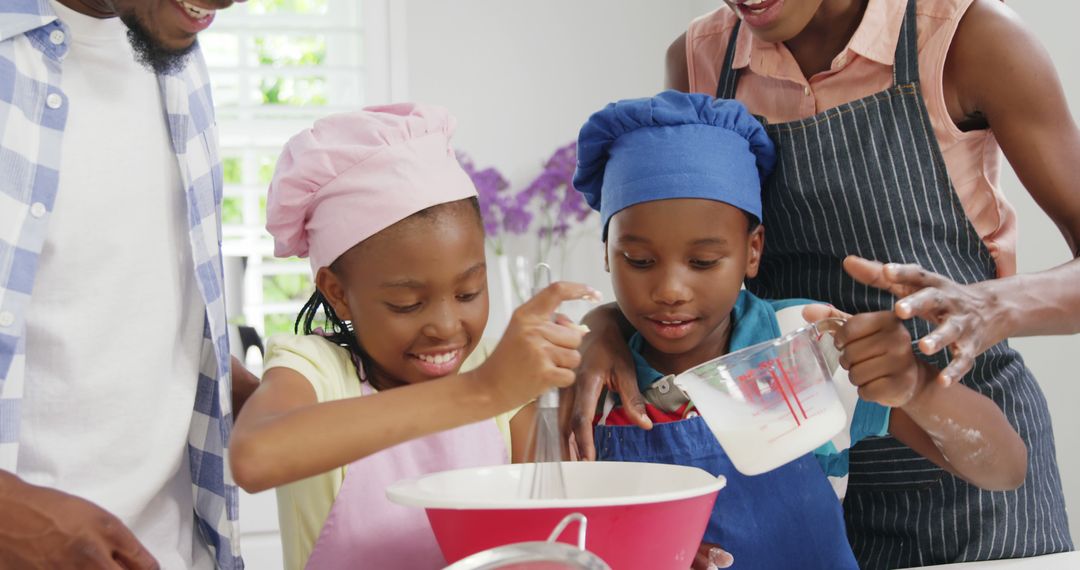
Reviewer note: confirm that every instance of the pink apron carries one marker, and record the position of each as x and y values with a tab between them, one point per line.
365	530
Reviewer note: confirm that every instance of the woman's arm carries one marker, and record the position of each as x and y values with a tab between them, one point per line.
998	70
998	74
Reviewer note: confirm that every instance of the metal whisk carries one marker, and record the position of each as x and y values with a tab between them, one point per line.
543	479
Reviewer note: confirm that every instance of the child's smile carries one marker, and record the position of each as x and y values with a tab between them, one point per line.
673	326
416	293
438	362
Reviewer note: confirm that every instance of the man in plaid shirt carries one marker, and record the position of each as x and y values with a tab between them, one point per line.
114	359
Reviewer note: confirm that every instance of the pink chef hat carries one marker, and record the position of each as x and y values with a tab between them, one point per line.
353	174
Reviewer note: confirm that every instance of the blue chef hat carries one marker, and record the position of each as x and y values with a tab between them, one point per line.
673	145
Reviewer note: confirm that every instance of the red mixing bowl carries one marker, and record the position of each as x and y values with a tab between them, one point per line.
640	515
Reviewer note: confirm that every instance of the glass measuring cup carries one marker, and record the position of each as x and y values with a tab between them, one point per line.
772	402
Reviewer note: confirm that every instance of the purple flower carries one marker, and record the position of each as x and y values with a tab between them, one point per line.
549	198
558	230
554	190
516	219
490	189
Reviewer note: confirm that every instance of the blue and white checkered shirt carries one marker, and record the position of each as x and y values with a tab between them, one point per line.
33	113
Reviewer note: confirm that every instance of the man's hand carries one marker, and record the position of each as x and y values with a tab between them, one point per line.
45	528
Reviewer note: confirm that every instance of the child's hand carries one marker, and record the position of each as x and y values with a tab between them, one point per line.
953	426
710	556
879	359
538	351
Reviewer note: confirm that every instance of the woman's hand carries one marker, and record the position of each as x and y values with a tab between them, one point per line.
969	319
954	426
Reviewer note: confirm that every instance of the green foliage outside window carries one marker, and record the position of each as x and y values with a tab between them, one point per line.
285	71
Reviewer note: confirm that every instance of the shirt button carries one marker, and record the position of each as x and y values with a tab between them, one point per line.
806	90
6	318
56	37
54	101
37	209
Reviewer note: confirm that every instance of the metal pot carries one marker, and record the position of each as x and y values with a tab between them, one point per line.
545	555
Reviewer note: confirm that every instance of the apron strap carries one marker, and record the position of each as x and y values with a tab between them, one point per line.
906	60
729	76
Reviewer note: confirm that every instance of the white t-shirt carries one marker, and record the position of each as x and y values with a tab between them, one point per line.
115	321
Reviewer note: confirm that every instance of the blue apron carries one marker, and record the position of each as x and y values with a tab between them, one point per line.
789	517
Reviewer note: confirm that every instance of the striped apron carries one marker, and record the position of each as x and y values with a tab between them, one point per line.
868	178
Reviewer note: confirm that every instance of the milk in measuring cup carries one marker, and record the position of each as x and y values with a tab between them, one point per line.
768	404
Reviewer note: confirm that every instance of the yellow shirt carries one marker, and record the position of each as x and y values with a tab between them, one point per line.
304	505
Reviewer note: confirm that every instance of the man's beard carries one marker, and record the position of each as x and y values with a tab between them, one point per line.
150	52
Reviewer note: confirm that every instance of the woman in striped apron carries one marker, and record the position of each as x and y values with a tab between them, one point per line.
867	177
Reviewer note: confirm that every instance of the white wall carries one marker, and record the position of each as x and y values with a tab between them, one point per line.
522	77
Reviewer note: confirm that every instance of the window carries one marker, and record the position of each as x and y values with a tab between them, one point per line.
275	67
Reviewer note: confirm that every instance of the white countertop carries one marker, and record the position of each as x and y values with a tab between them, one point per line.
1062	561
